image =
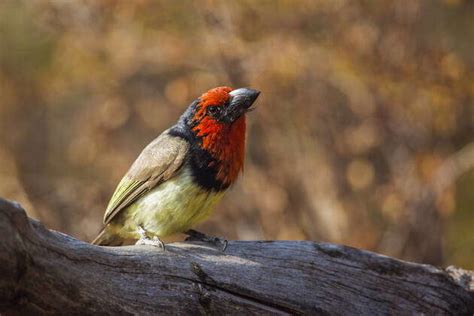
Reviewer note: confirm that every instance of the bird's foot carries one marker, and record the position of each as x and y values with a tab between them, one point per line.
194	235
145	240
155	241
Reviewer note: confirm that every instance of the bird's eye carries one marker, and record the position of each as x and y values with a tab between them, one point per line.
213	110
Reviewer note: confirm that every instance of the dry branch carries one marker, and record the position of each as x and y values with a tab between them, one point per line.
43	271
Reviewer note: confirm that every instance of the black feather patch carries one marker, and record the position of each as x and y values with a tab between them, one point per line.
203	166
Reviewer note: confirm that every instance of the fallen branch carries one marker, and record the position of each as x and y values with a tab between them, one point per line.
43	271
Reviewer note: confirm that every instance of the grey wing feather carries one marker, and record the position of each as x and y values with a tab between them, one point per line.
158	162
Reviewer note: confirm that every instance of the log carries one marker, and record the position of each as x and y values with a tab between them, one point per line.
47	272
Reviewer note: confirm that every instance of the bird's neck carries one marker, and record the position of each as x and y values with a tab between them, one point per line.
226	144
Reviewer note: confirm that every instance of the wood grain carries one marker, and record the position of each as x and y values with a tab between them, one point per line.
43	271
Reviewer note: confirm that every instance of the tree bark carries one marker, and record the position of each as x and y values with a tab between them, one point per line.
43	271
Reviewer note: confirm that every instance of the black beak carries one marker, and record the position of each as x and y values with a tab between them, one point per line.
240	102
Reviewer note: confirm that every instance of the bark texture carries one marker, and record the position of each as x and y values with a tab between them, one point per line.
43	271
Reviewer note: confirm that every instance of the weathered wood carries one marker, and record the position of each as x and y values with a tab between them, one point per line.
43	271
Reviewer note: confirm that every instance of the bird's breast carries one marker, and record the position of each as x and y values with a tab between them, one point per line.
174	206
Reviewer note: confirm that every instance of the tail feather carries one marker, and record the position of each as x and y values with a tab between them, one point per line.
106	238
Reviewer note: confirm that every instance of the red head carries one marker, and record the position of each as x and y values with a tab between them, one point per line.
218	121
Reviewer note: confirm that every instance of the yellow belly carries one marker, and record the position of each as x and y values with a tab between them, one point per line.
172	207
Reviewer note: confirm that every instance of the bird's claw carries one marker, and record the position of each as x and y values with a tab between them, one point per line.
155	241
145	240
194	235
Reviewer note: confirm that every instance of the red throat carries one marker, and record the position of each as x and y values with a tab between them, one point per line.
226	143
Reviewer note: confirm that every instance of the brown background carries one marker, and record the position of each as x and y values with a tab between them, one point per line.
363	133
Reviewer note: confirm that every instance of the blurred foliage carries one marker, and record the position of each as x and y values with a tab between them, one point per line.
363	133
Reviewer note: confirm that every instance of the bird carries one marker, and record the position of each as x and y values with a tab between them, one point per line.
179	177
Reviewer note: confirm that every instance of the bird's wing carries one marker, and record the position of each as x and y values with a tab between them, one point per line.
158	162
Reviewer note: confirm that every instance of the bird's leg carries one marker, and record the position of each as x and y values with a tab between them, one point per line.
194	235
145	240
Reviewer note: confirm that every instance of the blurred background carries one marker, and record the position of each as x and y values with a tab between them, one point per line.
363	135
